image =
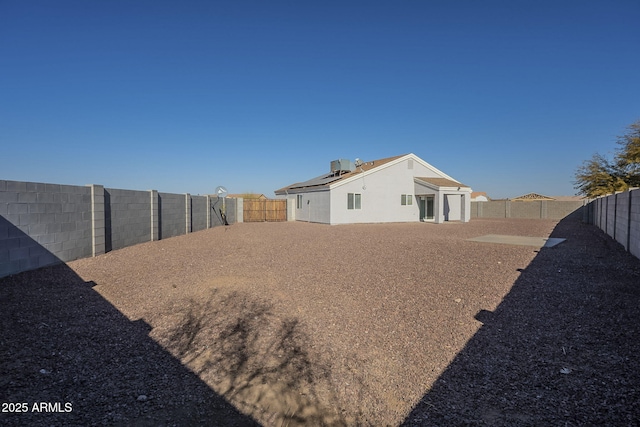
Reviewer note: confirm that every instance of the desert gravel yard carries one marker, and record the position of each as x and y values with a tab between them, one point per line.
284	324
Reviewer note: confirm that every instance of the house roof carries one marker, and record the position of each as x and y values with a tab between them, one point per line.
324	181
532	196
441	182
479	193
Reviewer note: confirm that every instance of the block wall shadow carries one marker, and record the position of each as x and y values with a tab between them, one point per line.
563	347
64	345
19	251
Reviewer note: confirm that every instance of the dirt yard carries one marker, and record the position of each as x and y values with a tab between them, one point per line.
284	324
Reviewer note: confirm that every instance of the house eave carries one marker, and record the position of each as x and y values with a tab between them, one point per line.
446	188
299	190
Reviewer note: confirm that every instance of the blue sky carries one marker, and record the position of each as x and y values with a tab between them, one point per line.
508	97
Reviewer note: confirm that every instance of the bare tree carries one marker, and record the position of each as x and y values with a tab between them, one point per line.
599	176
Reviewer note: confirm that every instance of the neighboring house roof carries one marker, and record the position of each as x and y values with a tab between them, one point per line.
247	196
441	182
479	196
328	179
532	196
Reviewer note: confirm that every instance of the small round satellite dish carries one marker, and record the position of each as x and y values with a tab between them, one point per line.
358	162
221	191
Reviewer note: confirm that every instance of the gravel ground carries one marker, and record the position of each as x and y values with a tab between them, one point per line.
306	324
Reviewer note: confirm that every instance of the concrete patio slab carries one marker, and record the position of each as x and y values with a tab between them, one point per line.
539	242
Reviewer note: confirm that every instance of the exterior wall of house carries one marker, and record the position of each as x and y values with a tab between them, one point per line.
381	196
315	206
449	205
381	190
452	207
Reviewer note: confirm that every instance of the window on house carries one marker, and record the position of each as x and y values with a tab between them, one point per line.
299	201
406	199
354	201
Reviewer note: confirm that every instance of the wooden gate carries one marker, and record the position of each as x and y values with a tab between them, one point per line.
256	210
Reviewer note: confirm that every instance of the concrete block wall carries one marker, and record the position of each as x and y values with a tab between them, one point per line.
634	223
559	210
235	210
43	224
535	209
228	207
127	214
199	213
494	209
621	223
618	215
532	209
610	204
172	212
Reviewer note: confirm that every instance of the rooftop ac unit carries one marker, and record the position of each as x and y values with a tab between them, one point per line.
342	165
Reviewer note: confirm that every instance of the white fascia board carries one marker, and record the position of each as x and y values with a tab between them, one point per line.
461	189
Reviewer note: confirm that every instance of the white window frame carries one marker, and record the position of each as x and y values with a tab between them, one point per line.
354	201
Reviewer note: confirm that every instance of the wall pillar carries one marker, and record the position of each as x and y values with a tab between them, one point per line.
240	210
466	207
438	208
208	211
97	220
291	209
155	216
187	212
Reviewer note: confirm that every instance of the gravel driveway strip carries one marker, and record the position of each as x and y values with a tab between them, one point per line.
284	324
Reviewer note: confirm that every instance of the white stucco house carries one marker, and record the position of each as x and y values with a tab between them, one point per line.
395	189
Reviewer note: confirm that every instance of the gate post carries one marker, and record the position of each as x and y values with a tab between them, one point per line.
240	209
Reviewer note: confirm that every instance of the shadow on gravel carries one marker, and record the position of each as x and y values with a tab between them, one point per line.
257	361
66	351
563	348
